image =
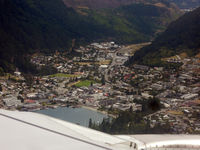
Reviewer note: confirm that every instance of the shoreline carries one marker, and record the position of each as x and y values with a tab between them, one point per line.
96	110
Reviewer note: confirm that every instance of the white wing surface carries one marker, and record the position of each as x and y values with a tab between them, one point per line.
32	131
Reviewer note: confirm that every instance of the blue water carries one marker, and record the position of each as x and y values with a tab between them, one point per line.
79	116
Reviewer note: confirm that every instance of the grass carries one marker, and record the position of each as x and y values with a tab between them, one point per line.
62	75
86	83
84	63
172	57
105	62
73	83
134	47
10	76
198	55
175	112
182	56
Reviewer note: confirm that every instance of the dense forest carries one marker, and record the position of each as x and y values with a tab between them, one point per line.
97	4
28	26
182	35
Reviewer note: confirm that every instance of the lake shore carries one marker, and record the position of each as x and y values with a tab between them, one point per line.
96	110
75	114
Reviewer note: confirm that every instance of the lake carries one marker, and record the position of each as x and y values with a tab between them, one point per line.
79	116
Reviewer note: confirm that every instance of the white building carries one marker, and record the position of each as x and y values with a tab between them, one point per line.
189	96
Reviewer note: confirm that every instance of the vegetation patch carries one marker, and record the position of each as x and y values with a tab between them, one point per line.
86	83
62	75
198	55
183	55
176	57
135	47
175	112
105	62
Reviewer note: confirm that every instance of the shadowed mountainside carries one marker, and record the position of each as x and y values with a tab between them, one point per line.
96	4
27	26
182	35
186	4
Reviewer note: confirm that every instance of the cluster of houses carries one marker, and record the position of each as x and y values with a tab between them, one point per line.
115	86
179	92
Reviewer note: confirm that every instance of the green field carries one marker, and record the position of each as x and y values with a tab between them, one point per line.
62	75
86	83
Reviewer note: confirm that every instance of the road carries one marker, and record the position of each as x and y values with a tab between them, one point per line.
131	49
111	65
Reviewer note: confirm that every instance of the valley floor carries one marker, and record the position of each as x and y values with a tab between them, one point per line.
97	79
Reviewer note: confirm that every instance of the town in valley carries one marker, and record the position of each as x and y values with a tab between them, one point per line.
97	78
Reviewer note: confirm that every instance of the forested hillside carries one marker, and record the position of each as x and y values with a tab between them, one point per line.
34	25
182	35
186	4
27	25
96	4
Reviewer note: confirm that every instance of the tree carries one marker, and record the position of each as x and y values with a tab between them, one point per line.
131	109
91	83
29	79
1	72
105	125
103	80
154	104
20	98
37	81
90	123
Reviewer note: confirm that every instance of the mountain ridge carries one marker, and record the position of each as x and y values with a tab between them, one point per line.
186	4
97	4
182	35
29	26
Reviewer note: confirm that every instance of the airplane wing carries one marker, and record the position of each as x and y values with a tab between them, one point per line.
32	131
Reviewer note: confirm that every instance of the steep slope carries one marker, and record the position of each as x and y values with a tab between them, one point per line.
132	23
30	25
186	4
96	4
182	35
26	25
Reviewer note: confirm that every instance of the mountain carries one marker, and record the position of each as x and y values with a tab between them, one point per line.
182	35
96	4
27	26
186	4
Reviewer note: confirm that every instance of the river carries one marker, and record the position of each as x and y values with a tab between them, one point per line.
79	116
